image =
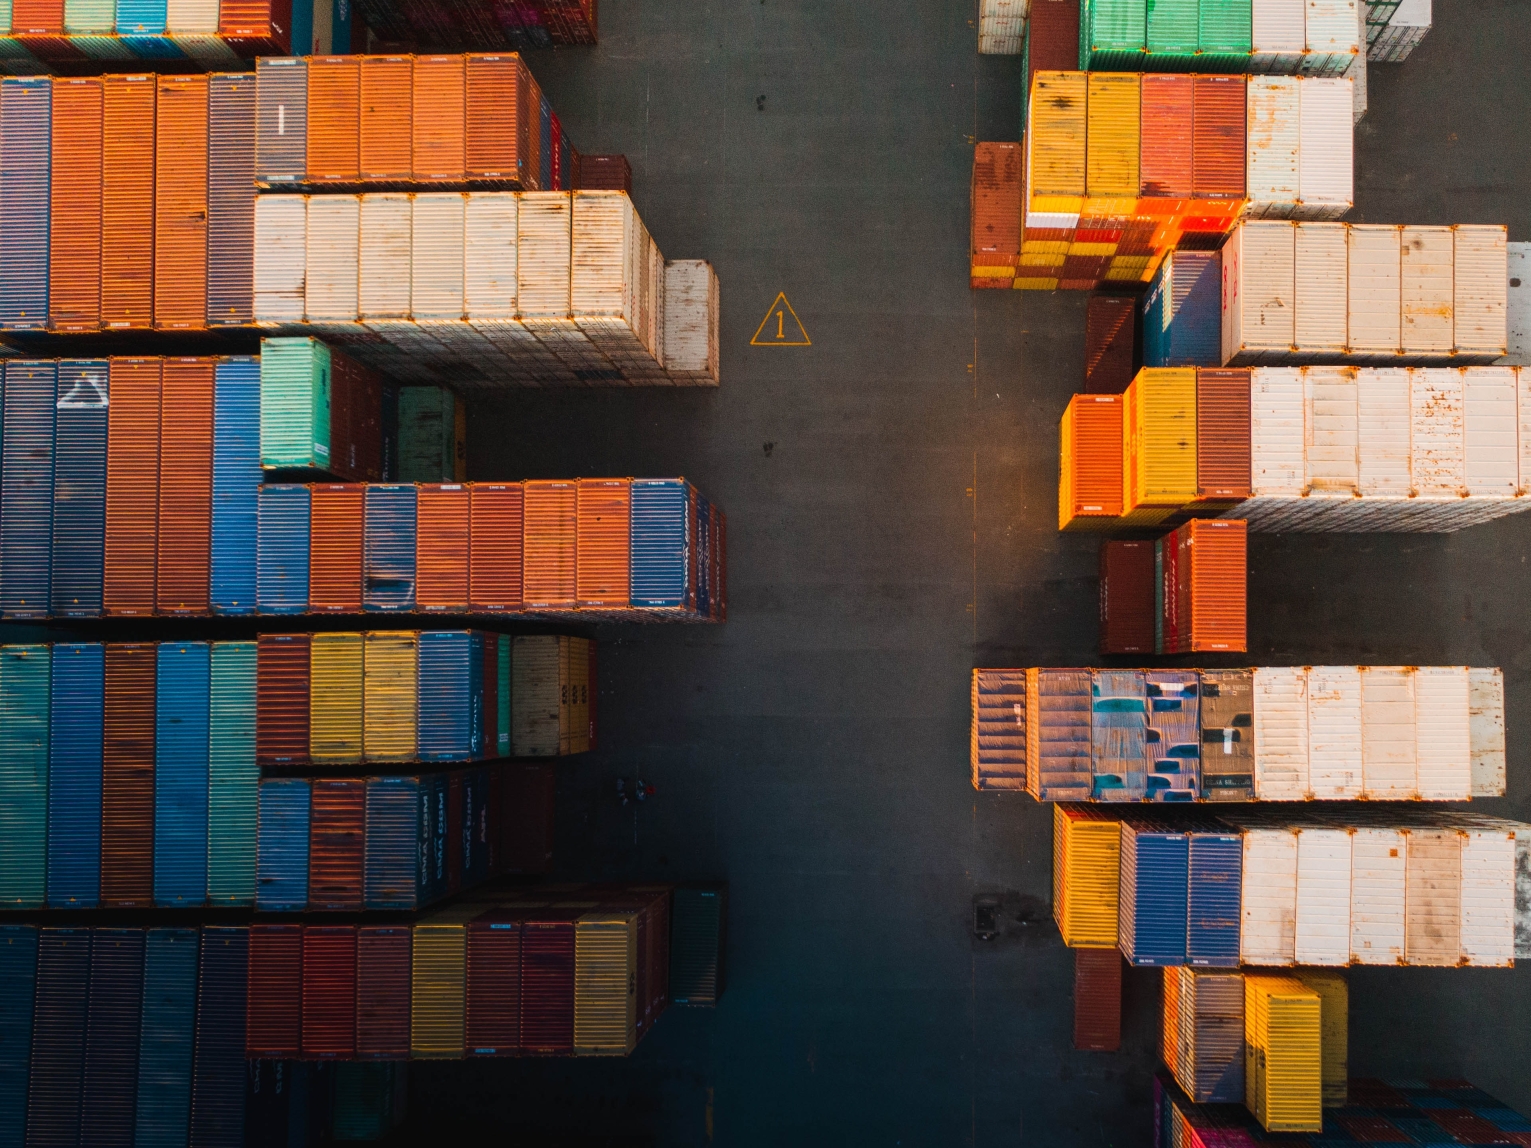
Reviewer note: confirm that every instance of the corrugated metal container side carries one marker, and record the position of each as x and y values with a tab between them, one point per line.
27	487
1127	598
334	120
547	982
661	559
698	940
1223	443
24	749
442	552
295	406
234	533
127	777
550	542
230	199
181	203
1058	734
1216	878
1086	876
110	1097
336	557
58	1035
450	710
1118	728
1154	882
184	529
79	488
1480	277
386	103
1174	744
437	984
217	1083
493	984
77	693
282	549
603	543
281	881
329	991
494	551
996	214
439	130
25	168
233	774
1334	1032
1486	731
390	548
1181	315
127	202
1208	1033
182	707
427	447
1227	735
1282	1073
281	138
1268	899
397	817
1334	732
1090	468
391	695
335	699
998	749
605	983
336	851
18	961
274	1017
383	992
167	1039
282	699
74	242
280	259
1110	329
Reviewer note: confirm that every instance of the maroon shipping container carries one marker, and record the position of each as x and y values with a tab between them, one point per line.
127	777
547	981
1052	37
1109	329
1097	1000
356	420
382	992
185	522
336	837
494	983
274	1004
329	991
526	818
1127	598
281	699
605	173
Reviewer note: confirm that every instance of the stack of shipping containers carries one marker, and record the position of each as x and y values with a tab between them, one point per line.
1252	364
365	238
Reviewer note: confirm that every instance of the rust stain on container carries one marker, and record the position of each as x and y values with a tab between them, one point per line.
184	539
1218	132
282	699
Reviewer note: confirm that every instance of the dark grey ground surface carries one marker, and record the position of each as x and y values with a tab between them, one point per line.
901	530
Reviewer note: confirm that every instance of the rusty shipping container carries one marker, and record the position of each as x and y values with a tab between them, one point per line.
1097	1000
442	552
230	199
996	214
499	125
184	534
282	699
74	245
549	541
337	824
127	201
180	203
127	777
494	552
335	557
132	475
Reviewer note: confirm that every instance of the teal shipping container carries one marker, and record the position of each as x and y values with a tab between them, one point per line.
431	444
294	404
24	689
1171	36
232	776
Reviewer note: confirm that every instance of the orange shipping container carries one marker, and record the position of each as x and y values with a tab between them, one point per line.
1090	461
386	101
39	25
132	475
494	551
180	203
336	513
1166	165
498	123
441	547
334	119
1222	436
1218	133
185	486
257	27
1205	575
551	513
74	271
440	119
604	530
127	201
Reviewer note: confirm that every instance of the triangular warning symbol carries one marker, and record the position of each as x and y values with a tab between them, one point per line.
781	327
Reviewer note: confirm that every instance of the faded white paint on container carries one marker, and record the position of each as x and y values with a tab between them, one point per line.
1389	764
691	321
437	233
1001	26
1426	289
1488	897
1281	733
1486	729
1268	911
1280	37
331	264
281	230
1443	732
1433	925
1373	270
1382	432
1480	274
1258	282
1326	188
385	256
1334	732
1320	289
1377	896
1518	304
1323	897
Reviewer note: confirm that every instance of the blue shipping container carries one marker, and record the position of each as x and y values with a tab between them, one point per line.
281	881
74	775
282	550
231	200
397	841
26	489
180	773
1118	729
24	721
437	876
446	722
1174	735
112	1036
218	1087
1151	918
58	1037
18	980
79	488
236	483
26	130
390	548
166	1039
660	544
1182	312
233	776
141	24
1214	898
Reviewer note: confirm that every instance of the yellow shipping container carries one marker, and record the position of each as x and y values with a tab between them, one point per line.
1045	247
606	984
1047	259
438	983
986	272
1035	284
1111	162
1334	1019
1092	250
335	698
1056	135
391	671
1087	850
1283	1080
1159	442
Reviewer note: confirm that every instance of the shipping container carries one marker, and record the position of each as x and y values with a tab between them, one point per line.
27	486
1282	1070
1158	444
168	1036
78	488
336	580
329	991
127	202
1001	26
335	699
18	960
1091	453
183	534
438	982
74	241
390	548
231	199
112	1032
282	549
442	547
1227	735
181	202
127	777
547	982
217	1083
1203	1033
181	779
281	883
24	752
996	212
1127	598
1204	587
690	339
698	945
495	537
25	164
274	1018
451	726
58	1036
603	543
998	749
391	696
1086	879
233	774
397	833
1110	334
1152	924
1181	317
283	692
77	692
337	838
606	1007
236	478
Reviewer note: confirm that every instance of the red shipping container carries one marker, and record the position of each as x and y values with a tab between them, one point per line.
274	1000
526	818
281	699
1222	436
383	956
329	991
180	203
996	211
494	549
494	983
1127	598
387	85
441	547
547	982
1166	156
336	844
1097	1000
132	480
335	556
1052	32
256	27
605	173
356	420
74	247
1218	131
456	815
1205	571
39	25
127	202
127	776
184	542
1110	328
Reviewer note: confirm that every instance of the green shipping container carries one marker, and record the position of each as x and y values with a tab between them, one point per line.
1113	36
1171	27
24	697
294	404
1226	35
430	427
233	776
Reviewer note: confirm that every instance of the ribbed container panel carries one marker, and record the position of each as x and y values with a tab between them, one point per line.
127	777
127	203
336	549
26	105
451	712
26	483
167	1038
74	242
58	1036
182	708
79	488
394	843
282	699
24	730
281	119
132	472
112	1036
283	549
74	775
547	983
294	403
274	1013
230	199
383	960
281	881
233	534
495	546
181	203
698	932
336	691
329	991
218	1079
18	964
390	548
336	852
442	547
391	696
233	775
184	531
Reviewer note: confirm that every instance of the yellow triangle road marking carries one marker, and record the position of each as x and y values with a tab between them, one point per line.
781	327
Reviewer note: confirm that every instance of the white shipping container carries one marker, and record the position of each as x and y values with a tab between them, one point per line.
1491	448
691	321
385	256
1480	274
281	230
1320	289
1326	187
1268	897
542	268
1488	897
602	284
1443	733
1404	30
1332	449
1377	896
1333	31
1437	429
192	25
1323	897
330	281
1279	35
1382	432
1426	289
1389	763
1334	732
1373	271
1001	26
1518	304
489	277
1258	283
437	233
1486	730
1277	439
1433	928
1273	140
1522	895
1281	733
